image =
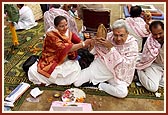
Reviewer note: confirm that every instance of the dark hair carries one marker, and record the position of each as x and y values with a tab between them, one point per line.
20	5
135	11
155	24
58	19
54	5
74	5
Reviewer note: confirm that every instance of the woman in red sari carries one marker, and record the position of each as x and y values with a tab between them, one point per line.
58	63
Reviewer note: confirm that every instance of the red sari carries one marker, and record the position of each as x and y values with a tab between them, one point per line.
55	50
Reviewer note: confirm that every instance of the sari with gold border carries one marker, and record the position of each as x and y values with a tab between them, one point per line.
55	51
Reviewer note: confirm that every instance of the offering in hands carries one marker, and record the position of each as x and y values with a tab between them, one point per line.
101	31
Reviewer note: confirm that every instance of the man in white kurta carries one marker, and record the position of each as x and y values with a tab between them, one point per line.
26	20
115	62
150	68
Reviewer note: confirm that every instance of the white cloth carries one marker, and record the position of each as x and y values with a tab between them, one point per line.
64	74
117	67
150	68
151	77
119	90
96	73
26	19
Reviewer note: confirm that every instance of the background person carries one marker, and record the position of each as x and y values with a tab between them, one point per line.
138	25
12	16
54	12
26	19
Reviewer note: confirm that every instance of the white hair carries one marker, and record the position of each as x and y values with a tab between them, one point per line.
121	23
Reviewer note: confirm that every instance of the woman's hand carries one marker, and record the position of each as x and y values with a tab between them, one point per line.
87	42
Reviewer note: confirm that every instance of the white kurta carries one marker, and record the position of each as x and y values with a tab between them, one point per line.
151	77
26	19
117	67
64	74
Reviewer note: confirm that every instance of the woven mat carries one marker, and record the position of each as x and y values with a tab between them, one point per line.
14	74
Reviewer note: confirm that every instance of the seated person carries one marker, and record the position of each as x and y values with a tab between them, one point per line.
150	68
137	24
52	13
26	19
114	63
58	63
73	10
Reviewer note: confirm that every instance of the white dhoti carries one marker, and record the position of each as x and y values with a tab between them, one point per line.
119	90
96	73
151	77
64	74
25	25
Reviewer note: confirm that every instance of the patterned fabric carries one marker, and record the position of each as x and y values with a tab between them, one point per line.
138	26
52	13
55	50
150	53
121	59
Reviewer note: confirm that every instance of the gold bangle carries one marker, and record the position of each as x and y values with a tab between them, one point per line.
83	44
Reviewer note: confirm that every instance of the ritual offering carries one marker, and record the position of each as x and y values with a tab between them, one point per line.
57	94
73	95
101	31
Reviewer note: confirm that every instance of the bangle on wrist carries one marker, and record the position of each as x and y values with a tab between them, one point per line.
83	44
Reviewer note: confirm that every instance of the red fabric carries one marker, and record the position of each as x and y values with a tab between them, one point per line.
55	50
75	38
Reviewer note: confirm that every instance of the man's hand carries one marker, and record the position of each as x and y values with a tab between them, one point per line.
103	42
